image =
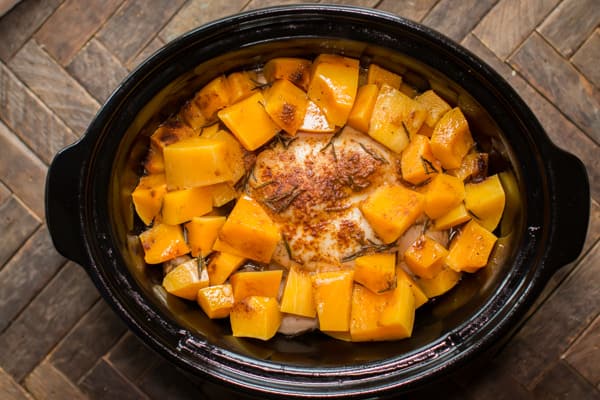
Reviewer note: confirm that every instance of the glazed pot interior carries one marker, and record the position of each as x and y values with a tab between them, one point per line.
433	321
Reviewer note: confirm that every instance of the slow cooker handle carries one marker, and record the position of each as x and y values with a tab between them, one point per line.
62	203
571	210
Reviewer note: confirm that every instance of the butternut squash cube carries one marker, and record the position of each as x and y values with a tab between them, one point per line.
255	283
395	117
221	266
315	120
163	242
471	249
425	257
451	139
297	296
210	130
241	85
391	210
213	97
256	317
333	299
171	132
286	105
250	230
148	196
223	193
191	114
197	162
474	165
185	280
388	316
154	163
235	151
418	293
216	301
486	201
202	233
399	314
444	193
295	70
333	86
360	116
249	122
379	76
436	107
456	216
376	272
181	206
445	280
418	163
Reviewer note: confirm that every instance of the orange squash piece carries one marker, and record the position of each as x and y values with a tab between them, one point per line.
180	206
202	233
213	97
286	105
185	280
418	163
451	139
297	296
163	242
295	70
425	257
255	283
241	85
486	201
191	114
377	272
148	196
256	317
442	282
436	108
360	116
221	266
333	294
443	194
378	76
216	301
171	132
471	250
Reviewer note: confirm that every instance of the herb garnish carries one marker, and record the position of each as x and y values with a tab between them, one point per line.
280	202
367	248
428	166
373	154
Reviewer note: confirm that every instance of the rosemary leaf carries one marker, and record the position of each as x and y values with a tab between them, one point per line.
405	129
428	166
374	154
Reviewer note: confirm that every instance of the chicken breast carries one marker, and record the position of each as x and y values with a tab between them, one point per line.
312	188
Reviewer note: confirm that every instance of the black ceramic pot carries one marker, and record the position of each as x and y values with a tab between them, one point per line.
89	212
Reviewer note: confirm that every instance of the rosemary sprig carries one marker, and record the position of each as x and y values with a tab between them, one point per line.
330	143
285	139
367	248
244	181
373	154
264	184
428	166
201	264
473	214
280	202
405	129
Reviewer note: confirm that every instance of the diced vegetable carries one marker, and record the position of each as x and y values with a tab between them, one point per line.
360	116
395	117
202	233
333	86
295	70
154	163
180	206
391	210
451	139
398	316
241	85
486	201
418	163
255	283
425	257
249	121
286	105
471	249
456	216
298	295
445	280
379	76
420	296
377	272
333	293
474	165
436	108
216	301
444	193
256	317
223	193
221	266
148	196
197	162
171	132
234	149
250	230
315	120
213	97
185	280
163	242
191	114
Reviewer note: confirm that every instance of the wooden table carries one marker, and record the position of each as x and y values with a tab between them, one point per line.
59	60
